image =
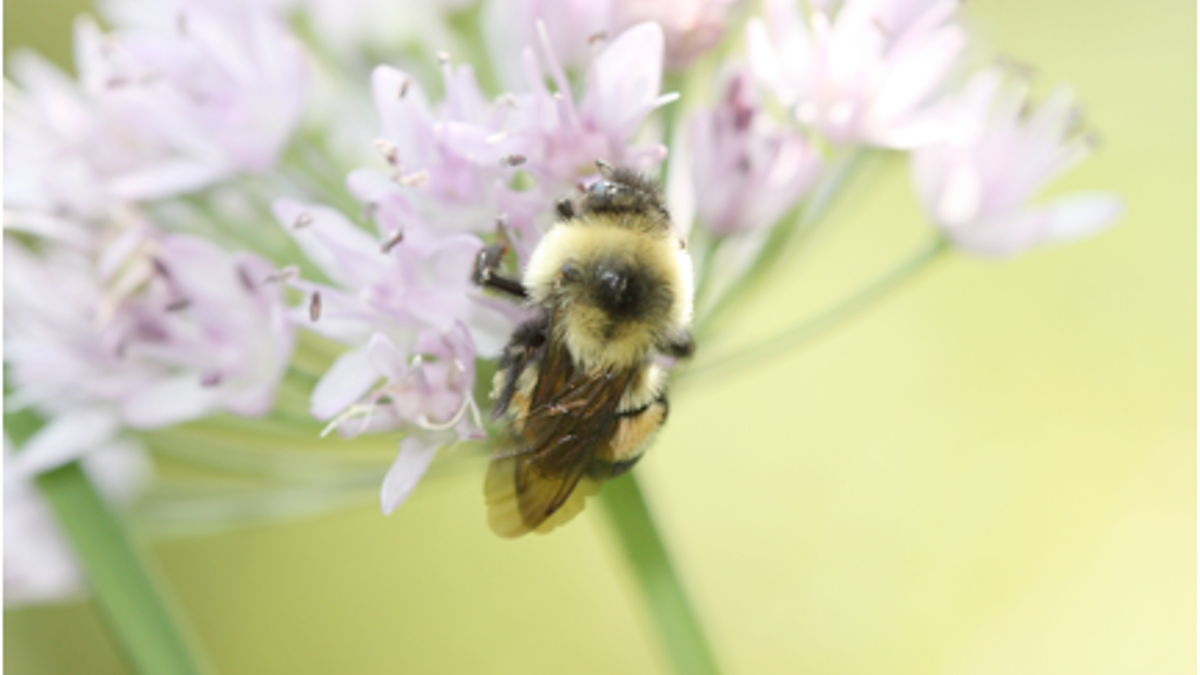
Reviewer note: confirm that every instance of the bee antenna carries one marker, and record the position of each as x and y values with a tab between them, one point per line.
606	169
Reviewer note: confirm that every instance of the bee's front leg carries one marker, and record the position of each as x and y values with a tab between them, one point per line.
486	272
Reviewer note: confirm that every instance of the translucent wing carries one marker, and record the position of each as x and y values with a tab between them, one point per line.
539	480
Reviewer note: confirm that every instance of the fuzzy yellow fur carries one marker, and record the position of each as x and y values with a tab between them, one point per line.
645	244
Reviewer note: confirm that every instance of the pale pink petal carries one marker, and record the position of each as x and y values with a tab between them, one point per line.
1081	215
961	196
347	254
165	179
1061	220
385	357
626	78
168	401
416	453
350	376
916	76
65	438
765	62
119	469
403	108
343	317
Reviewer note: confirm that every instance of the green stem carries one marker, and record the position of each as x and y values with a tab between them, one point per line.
123	584
823	322
678	626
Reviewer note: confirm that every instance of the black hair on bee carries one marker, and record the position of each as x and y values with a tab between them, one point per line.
579	384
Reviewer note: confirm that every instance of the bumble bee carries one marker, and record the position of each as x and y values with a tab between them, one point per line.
579	384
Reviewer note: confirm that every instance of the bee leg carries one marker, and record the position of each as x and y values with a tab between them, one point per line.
486	272
565	209
620	468
682	347
526	346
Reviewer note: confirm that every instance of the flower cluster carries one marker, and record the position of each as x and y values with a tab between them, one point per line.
180	216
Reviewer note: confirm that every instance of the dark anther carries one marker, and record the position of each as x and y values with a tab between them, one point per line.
391	242
314	306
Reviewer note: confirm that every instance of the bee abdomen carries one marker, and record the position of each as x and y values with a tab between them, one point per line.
635	429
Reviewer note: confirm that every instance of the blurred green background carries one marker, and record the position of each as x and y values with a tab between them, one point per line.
992	472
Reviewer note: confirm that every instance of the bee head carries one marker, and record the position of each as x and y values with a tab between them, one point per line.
623	190
620	289
607	195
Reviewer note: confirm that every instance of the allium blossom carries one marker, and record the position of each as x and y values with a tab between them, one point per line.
976	188
578	29
39	564
197	93
406	308
746	170
402	300
444	160
156	330
563	139
864	75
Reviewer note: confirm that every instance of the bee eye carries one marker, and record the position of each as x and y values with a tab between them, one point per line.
570	273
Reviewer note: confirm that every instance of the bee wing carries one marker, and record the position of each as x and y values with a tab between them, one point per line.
540	481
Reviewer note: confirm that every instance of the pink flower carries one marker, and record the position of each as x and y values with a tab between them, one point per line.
408	311
976	188
402	301
406	307
63	148
745	170
451	164
195	94
211	88
156	330
445	159
579	28
691	27
431	394
393	285
866	74
563	139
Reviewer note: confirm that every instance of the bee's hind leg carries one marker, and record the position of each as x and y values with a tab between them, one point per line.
486	272
681	347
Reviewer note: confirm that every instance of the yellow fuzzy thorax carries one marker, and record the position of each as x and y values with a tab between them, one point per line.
595	339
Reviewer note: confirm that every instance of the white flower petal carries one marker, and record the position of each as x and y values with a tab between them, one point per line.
168	401
1081	215
350	376
344	252
65	438
961	196
416	453
385	357
168	178
626	79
